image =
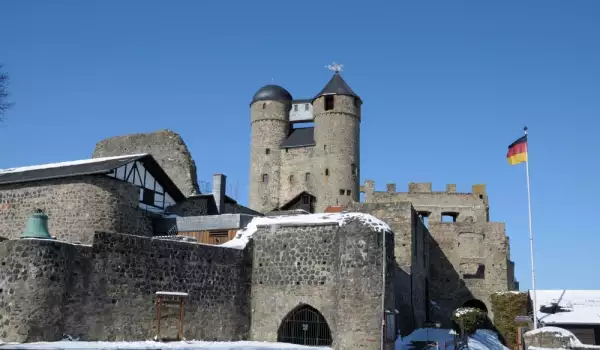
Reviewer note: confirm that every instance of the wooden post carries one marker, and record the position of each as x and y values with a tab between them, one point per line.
158	306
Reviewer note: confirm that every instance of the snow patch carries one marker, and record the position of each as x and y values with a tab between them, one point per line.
64	164
243	236
568	306
143	345
465	310
482	339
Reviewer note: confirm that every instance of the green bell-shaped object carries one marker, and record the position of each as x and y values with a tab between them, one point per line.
37	226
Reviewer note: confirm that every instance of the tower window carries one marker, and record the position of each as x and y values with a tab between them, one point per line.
264	105
348	192
326	172
328	102
353	169
307	177
356	102
342	191
324	147
291	178
306	107
268	151
295	108
265	178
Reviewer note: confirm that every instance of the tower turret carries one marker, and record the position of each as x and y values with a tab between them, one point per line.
269	114
337	111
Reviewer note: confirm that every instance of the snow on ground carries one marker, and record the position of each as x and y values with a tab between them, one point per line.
143	345
63	164
561	332
483	339
242	237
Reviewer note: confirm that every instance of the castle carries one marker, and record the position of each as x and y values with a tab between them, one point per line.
305	262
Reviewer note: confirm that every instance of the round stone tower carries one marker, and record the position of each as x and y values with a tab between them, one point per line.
337	137
269	114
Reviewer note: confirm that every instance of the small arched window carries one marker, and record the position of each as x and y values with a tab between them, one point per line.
265	178
268	151
326	172
307	177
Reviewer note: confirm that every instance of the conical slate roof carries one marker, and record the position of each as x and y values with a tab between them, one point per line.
337	86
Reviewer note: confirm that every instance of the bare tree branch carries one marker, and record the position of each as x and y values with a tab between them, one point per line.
4	104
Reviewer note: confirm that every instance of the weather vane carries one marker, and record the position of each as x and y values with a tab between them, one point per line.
335	67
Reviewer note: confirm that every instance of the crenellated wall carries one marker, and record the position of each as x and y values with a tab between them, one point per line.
76	207
106	291
336	270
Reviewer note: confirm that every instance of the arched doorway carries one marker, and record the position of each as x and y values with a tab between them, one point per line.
476	304
305	326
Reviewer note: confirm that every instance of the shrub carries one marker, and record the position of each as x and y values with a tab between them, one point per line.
471	319
506	306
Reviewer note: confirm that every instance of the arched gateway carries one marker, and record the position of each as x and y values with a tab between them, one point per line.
305	326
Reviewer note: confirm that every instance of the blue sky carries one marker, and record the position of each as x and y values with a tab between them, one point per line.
447	85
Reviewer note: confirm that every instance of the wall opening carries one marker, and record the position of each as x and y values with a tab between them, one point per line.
449	216
302	125
305	325
328	102
291	179
326	172
265	178
264	106
424	215
268	151
307	177
476	304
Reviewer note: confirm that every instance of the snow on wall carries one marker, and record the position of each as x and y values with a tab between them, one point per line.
243	236
200	345
482	339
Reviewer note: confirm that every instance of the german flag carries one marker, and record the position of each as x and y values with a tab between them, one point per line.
517	151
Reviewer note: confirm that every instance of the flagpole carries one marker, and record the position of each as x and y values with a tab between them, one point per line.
535	321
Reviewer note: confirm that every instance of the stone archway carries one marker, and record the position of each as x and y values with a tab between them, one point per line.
476	304
305	325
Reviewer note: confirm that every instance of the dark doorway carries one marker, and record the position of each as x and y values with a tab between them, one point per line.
305	326
476	304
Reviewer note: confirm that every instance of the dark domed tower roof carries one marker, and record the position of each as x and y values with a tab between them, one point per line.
272	93
337	86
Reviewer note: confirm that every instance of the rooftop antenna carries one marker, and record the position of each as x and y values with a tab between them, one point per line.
335	67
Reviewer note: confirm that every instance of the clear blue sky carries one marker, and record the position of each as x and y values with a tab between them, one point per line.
447	85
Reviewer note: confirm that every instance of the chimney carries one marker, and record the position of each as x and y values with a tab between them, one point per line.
219	182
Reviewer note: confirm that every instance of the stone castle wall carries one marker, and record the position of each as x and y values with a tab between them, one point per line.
471	206
337	270
107	291
76	207
411	250
166	146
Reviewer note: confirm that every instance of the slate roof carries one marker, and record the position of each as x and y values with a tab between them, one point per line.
300	137
94	166
271	93
337	86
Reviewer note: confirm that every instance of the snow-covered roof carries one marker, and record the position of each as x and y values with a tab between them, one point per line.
568	306
243	236
69	163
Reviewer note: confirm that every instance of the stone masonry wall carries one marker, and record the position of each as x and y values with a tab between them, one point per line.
469	206
411	249
336	270
166	146
468	261
76	207
107	291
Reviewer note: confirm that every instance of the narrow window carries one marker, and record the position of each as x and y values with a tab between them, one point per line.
324	147
356	102
306	107
305	199
328	102
424	215
295	108
291	178
353	169
148	197
268	151
307	177
348	192
264	105
342	192
326	172
265	178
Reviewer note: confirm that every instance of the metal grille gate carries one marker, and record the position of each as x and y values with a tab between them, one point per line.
305	326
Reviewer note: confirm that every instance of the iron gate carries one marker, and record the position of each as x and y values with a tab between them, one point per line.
305	326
